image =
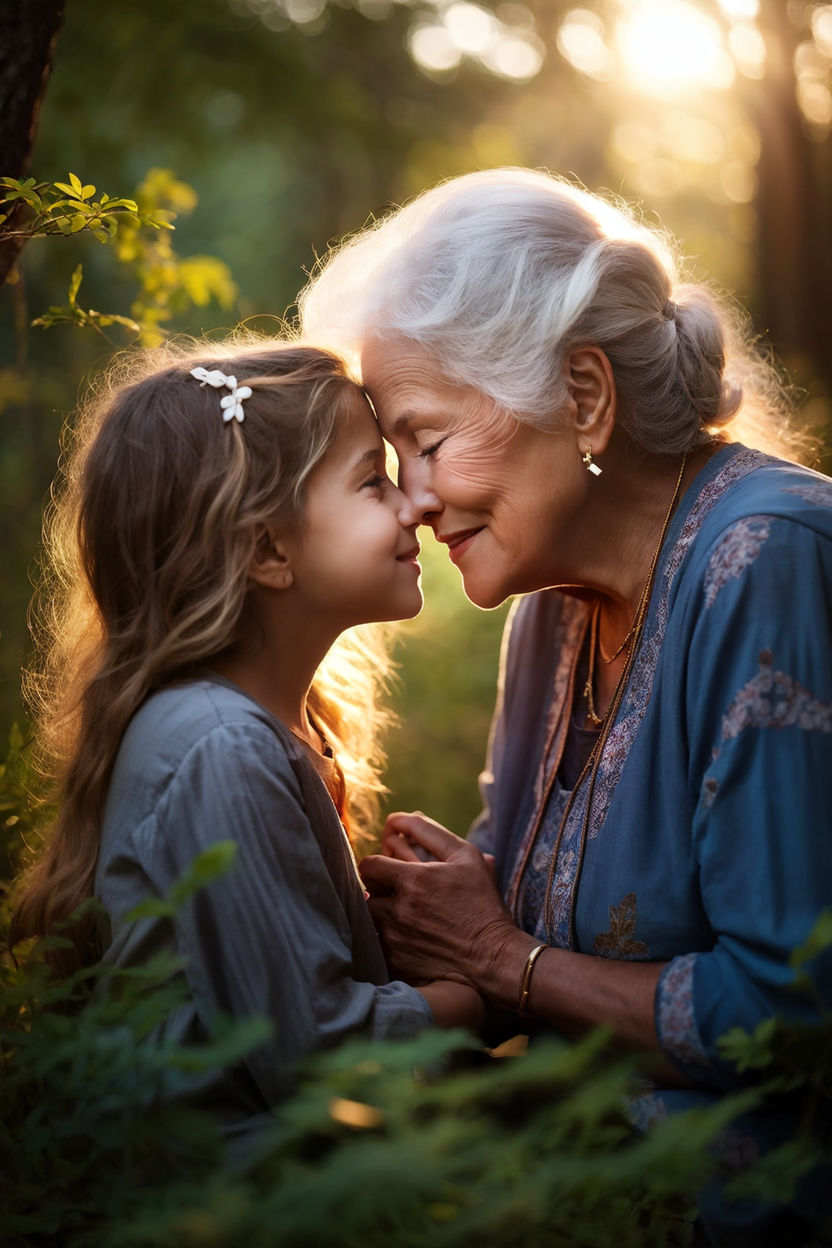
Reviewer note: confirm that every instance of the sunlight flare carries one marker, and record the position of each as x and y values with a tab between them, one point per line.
668	47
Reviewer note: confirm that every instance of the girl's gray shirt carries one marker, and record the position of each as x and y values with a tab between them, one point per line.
286	932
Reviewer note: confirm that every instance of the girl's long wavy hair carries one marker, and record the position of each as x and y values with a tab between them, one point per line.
153	522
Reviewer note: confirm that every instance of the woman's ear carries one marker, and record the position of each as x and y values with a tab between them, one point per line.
270	564
591	387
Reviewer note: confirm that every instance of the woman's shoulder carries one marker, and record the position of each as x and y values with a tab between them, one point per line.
753	484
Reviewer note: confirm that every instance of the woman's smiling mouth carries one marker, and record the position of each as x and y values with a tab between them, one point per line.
459	542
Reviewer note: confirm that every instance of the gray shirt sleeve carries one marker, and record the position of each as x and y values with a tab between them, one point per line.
274	935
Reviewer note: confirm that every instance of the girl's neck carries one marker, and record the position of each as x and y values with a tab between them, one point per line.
276	668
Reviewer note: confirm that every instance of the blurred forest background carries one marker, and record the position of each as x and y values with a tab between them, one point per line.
267	128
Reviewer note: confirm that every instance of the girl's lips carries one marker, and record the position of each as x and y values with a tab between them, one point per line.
458	543
411	556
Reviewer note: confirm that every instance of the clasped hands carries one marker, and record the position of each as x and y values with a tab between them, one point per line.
440	919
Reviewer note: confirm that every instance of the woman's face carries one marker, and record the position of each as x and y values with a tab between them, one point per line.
504	496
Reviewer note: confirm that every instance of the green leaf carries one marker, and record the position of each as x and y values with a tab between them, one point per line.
205	869
819	939
75	284
152	908
76	183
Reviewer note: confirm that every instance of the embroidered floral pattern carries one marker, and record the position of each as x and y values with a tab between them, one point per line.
675	1021
816	491
774	700
532	892
618	941
710	788
738	547
645	1110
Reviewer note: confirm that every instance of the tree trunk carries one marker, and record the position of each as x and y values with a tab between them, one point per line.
793	206
28	30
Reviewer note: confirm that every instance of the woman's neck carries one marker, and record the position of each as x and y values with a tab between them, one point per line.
631	518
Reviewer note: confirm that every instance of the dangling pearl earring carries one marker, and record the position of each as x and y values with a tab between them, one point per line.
590	466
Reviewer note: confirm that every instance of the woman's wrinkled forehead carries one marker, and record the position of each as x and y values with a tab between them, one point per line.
409	390
401	380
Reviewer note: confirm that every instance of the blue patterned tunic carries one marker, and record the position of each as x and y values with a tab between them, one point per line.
708	843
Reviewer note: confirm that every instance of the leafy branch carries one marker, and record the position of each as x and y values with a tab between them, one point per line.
67	208
139	229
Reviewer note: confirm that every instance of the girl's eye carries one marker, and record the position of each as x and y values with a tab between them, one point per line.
375	482
428	451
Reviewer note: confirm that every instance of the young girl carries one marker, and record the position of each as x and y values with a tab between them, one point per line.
226	515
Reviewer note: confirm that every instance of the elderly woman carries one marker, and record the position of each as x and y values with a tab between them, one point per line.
657	795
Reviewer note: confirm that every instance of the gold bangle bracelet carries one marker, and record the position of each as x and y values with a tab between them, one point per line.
525	982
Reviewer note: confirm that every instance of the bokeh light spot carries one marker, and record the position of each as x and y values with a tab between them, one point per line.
692	139
738	181
471	28
517	55
749	49
581	42
740	8
822	28
635	142
433	49
815	101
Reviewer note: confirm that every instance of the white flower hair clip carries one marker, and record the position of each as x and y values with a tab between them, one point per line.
230	404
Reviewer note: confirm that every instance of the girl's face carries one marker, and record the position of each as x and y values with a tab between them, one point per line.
355	558
504	496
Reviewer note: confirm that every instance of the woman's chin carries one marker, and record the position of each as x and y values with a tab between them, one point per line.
481	594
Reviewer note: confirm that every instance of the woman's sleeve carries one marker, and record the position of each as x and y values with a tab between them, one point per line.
759	721
271	936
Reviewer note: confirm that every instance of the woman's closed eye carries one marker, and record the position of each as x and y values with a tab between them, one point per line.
427	452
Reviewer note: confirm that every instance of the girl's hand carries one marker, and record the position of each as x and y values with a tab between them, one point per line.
440	919
455	1005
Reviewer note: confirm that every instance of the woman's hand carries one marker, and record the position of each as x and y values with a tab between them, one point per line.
443	918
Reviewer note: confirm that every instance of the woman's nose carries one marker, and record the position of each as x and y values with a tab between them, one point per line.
419	500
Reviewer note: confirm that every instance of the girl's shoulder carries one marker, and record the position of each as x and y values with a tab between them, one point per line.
206	714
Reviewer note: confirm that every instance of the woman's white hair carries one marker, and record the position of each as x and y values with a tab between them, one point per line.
498	274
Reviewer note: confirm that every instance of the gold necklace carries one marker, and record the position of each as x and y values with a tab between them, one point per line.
595	631
592	714
593	762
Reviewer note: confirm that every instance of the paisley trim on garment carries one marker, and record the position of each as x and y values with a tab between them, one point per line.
640	684
618	941
566	640
735	551
675	1019
571	624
